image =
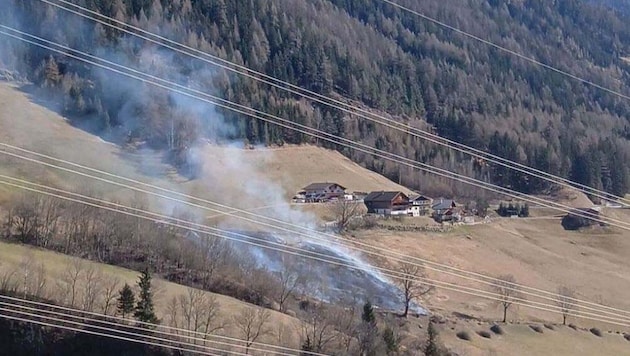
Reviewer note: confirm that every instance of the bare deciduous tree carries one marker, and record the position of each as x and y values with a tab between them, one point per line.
69	283
49	212
411	287
33	277
92	288
110	293
259	280
319	330
39	281
284	336
289	279
252	324
172	314
199	312
566	302
215	252
24	217
9	280
346	322
508	291
344	211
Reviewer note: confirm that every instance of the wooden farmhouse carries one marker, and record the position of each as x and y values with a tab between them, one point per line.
420	205
387	203
323	191
446	210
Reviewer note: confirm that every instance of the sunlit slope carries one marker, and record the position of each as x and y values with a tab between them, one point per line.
227	171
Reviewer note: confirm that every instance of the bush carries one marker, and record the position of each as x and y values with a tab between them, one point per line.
496	329
484	333
369	222
464	335
572	326
626	336
536	328
596	332
549	326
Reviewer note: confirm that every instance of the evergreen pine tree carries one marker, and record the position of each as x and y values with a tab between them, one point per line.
391	341
368	332
144	308
432	347
126	300
368	314
501	210
524	210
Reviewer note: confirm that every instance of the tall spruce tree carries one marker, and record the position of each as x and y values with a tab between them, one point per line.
368	316
145	310
126	300
368	332
432	347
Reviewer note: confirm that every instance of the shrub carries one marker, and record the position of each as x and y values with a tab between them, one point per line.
464	335
626	336
369	222
496	329
572	326
536	328
304	304
485	334
596	332
549	326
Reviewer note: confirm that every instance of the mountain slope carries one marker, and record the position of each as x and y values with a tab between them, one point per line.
24	122
495	248
374	54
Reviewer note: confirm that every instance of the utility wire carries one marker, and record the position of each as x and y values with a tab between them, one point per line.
329	101
623	321
58	325
314	236
103	318
116	326
202	99
308	232
504	49
238	108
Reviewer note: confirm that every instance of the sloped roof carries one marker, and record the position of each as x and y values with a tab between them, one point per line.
321	186
419	197
443	204
382	196
589	212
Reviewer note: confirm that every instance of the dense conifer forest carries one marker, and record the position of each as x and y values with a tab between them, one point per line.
373	54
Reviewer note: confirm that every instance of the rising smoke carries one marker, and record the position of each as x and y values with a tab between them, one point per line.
159	123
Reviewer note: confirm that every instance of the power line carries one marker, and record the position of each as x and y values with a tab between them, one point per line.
398	275
170	89
57	325
245	110
331	102
139	329
504	49
154	84
308	231
487	280
118	321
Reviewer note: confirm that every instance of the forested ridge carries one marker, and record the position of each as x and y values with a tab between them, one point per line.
373	54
